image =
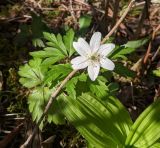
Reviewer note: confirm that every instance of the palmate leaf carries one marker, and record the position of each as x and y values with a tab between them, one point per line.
63	44
103	124
146	130
68	41
32	74
83	84
49	54
37	101
59	72
38	43
55	42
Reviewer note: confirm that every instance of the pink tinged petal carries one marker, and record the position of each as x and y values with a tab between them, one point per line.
107	64
95	41
93	71
79	62
82	47
106	49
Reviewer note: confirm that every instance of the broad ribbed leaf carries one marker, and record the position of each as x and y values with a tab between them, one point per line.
63	44
137	43
37	101
156	145
51	55
146	129
102	123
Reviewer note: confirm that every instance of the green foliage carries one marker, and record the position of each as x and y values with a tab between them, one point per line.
65	44
68	41
156	72
55	113
100	122
124	71
32	74
136	44
33	32
145	131
38	43
57	72
37	101
57	49
107	123
84	23
42	75
128	48
90	106
82	84
156	145
50	55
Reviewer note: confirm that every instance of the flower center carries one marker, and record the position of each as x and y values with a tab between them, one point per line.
95	57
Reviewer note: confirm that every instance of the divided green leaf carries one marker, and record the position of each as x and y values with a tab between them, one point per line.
63	44
32	74
49	54
37	101
57	72
68	41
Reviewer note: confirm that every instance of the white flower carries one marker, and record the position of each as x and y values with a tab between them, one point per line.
92	55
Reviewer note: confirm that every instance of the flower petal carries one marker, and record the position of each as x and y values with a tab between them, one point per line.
106	49
95	41
107	64
93	71
79	62
82	47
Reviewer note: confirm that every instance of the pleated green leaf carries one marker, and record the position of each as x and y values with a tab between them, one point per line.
146	130
156	145
104	124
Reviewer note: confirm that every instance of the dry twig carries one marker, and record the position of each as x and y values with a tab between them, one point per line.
150	44
119	21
